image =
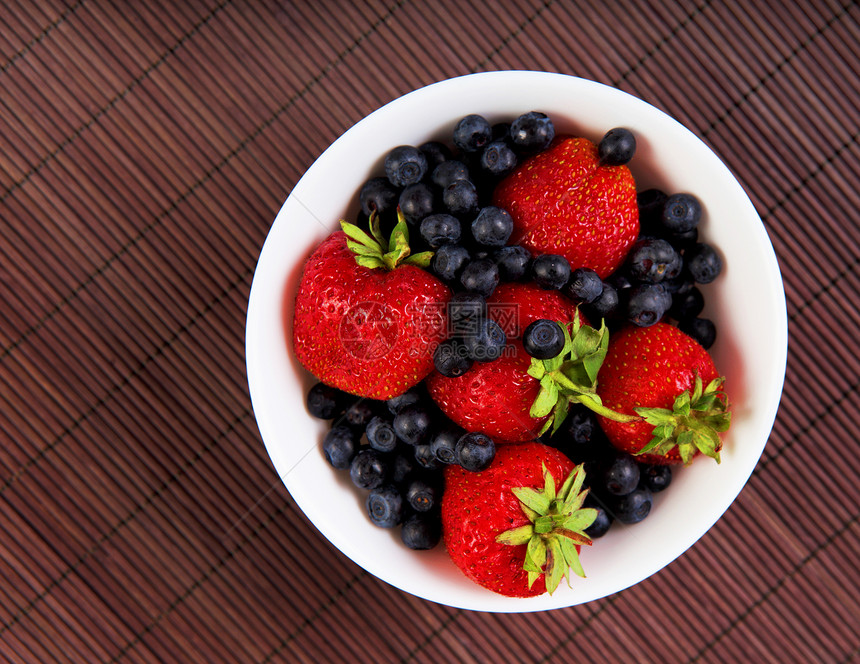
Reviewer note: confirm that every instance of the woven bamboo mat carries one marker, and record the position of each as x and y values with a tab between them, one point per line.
145	148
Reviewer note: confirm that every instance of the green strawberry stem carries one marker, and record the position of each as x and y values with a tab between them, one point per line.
557	526
374	251
571	376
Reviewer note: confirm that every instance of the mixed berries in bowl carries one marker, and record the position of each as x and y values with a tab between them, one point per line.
498	329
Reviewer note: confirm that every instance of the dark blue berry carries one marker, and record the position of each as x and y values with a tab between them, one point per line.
403	466
687	305
600	526
472	133
703	263
443	443
679	285
339	447
647	303
584	285
655	478
412	424
580	424
683	241
324	401
410	397
380	434
621	476
460	198
416	202
498	159
532	132
435	152
405	165
604	305
378	194
513	261
702	330
492	227
681	213
550	271
633	507
423	495
617	147
448	261
385	506
651	260
421	532
487	344
425	458
480	276
465	311
449	172
369	468
358	413
451	359
543	339
475	451
439	229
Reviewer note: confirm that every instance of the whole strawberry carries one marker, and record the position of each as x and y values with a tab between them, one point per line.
564	201
367	316
516	527
668	379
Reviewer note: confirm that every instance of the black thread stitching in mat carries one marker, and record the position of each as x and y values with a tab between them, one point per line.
26	48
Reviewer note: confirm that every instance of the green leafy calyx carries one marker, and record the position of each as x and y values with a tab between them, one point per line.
692	424
571	376
557	526
374	251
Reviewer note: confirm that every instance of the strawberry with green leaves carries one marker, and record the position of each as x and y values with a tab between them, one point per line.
565	201
367	317
516	528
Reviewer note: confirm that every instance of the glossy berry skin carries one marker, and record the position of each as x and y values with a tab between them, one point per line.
532	132
498	159
514	262
603	521
648	367
385	506
339	447
475	451
550	271
564	202
584	285
324	401
617	147
465	311
423	495
681	213
472	133
359	412
449	172
405	165
380	434
688	304
410	397
443	443
651	260
543	339
412	424
487	344
604	305
416	202
451	358
460	198
424	457
435	152
654	477
440	229
448	262
647	304
357	328
492	227
702	330
369	469
481	276
621	475
378	194
632	507
421	532
703	263
478	506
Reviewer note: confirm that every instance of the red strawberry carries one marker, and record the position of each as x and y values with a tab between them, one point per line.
495	397
565	202
367	318
516	527
666	377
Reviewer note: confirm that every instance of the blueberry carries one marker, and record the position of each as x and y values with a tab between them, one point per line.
633	507
653	259
702	330
655	478
679	285
439	229
425	458
681	213
380	434
378	194
703	263
451	359
604	305
584	285
410	397
403	466
448	261
492	227
532	132
472	133
443	443
687	305
412	424
466	310
621	476
435	152
358	413
580	438
475	451
339	447
683	241
385	506
550	271
487	344
369	468
480	276
423	495
543	339
460	197
449	172
600	526
498	159
647	303
323	401
580	424
513	261
421	532
416	202
616	147
405	165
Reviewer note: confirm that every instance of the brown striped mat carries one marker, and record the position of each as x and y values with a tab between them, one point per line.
145	148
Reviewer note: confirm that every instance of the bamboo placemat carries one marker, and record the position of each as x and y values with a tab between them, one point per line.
145	150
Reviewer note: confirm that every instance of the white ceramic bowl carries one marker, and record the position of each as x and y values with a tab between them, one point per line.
747	302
